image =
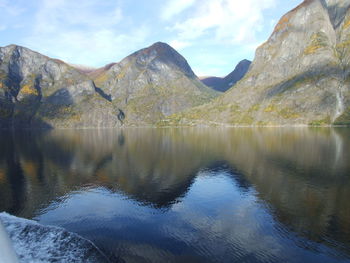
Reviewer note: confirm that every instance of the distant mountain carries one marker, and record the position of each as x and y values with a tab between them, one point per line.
223	84
37	91
300	76
151	84
83	69
215	83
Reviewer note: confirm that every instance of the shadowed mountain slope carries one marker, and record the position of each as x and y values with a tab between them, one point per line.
223	84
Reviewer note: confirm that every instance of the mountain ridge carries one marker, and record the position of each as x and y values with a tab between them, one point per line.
227	82
38	91
152	83
299	76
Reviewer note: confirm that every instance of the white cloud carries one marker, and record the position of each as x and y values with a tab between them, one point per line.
228	21
175	7
53	13
9	11
83	32
10	8
178	45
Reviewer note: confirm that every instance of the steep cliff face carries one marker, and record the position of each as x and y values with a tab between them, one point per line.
299	76
223	84
151	84
36	91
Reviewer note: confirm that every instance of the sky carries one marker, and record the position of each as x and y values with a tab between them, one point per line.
213	35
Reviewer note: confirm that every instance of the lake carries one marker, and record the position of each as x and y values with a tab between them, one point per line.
189	194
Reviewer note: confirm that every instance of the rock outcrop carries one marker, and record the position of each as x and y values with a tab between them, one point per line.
301	75
223	84
151	84
37	91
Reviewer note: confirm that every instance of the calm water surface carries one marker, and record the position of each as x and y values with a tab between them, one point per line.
187	195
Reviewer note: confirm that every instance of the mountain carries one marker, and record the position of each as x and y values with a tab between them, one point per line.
83	69
223	84
239	72
215	83
37	91
300	75
151	84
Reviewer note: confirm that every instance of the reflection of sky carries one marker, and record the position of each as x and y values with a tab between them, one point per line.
216	220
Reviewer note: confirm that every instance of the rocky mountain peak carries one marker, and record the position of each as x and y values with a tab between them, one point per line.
156	56
239	72
244	62
12	47
20	51
160	46
151	83
336	9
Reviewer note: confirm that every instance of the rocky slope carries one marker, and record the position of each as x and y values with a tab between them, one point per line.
301	75
223	84
151	84
37	91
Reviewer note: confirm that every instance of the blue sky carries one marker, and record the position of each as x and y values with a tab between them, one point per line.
213	35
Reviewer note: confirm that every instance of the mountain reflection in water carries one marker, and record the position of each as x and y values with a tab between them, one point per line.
190	195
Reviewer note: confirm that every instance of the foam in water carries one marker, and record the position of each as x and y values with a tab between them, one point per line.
33	242
8	254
